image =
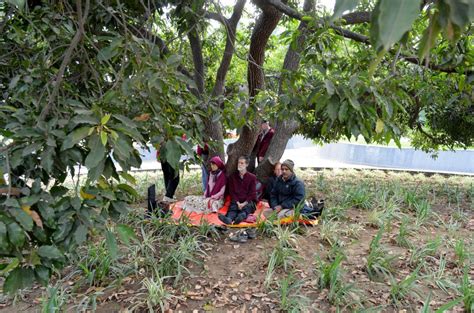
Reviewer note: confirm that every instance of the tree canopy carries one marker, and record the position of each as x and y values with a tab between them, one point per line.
84	83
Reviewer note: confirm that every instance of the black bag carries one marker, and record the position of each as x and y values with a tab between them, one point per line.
313	209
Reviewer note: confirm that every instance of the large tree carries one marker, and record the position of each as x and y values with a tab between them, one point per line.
84	82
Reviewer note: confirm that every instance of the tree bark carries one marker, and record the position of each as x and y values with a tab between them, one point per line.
285	128
264	27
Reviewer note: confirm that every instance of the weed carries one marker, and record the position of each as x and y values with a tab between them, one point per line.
207	230
410	197
284	255
354	230
173	230
379	262
54	300
289	294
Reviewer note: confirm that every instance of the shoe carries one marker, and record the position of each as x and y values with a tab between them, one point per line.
251	233
168	199
240	237
224	219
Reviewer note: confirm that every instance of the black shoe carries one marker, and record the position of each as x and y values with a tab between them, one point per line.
251	233
314	202
224	219
239	218
240	236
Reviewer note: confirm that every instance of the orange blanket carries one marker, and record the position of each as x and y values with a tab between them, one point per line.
212	218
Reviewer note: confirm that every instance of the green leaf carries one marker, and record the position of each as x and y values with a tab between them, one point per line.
105	119
80	235
42	274
111	244
74	137
128	189
126	233
16	235
103	138
460	12
47	159
11	265
97	152
429	36
15	79
333	109
341	6
329	86
394	19
50	253
3	236
23	218
19	278
32	148
448	306
172	152
120	207
128	178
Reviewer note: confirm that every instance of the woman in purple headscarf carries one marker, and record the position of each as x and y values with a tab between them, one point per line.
213	197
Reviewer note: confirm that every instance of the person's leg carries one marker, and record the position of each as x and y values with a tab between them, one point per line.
246	210
204	176
165	167
285	212
173	183
230	215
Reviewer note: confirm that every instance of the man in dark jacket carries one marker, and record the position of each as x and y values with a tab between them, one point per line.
287	192
243	194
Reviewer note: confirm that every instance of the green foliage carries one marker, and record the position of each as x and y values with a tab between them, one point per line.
289	294
379	261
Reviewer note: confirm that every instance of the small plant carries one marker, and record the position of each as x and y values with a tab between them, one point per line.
289	294
410	197
156	293
266	227
423	211
418	255
207	230
403	233
467	291
96	264
329	232
400	289
334	212
379	262
55	299
462	254
172	230
329	276
358	196
176	256
438	276
354	230
284	255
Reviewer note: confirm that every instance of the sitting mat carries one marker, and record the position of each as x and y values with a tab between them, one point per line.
197	219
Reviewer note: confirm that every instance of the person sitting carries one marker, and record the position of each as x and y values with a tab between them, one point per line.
287	193
242	192
271	181
213	197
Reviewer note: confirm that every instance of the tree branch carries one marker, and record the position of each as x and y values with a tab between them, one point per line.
216	17
67	57
356	18
359	37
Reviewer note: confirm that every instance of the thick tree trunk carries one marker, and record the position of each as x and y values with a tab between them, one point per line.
264	27
284	128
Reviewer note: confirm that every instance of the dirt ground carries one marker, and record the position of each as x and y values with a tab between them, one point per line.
230	277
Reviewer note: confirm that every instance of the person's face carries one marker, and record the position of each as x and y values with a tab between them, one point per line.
285	172
264	126
277	170
213	167
242	165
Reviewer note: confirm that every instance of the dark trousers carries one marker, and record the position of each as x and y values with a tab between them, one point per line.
171	177
234	211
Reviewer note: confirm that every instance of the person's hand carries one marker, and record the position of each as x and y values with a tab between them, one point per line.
260	159
240	205
277	208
